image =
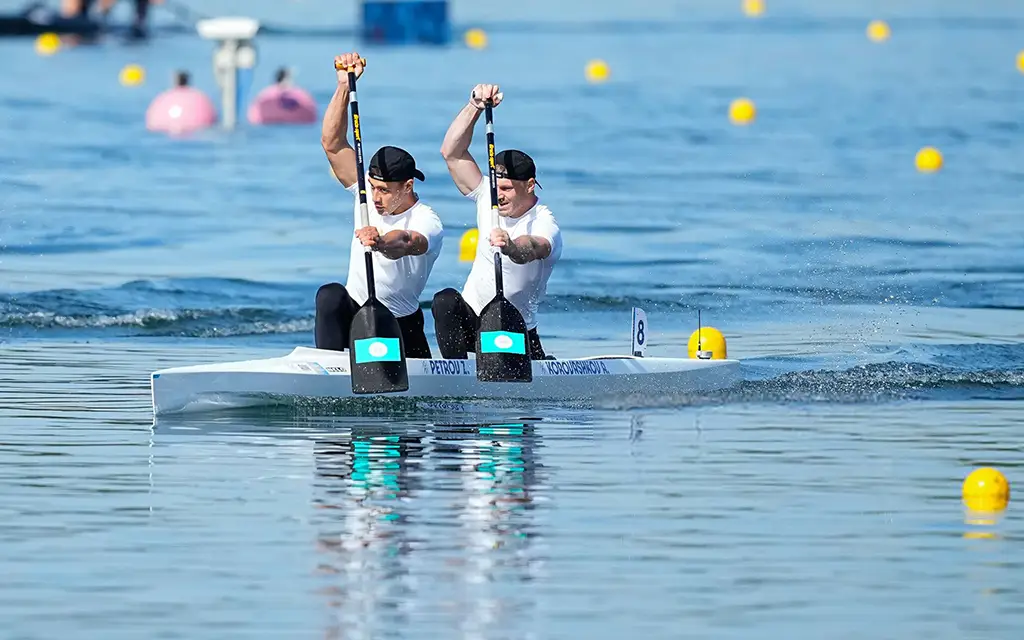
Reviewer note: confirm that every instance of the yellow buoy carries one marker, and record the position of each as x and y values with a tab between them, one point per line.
878	31
986	489
132	75
753	8
47	44
708	339
1020	62
467	245
928	160
597	71
742	111
476	38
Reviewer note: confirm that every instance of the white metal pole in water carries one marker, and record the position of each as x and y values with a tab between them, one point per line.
234	52
228	81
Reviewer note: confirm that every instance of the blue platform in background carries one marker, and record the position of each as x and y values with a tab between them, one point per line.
405	22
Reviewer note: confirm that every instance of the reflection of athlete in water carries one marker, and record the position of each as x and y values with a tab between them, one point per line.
398	512
81	8
363	489
496	467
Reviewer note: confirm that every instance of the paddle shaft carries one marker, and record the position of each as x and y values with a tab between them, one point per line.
502	354
371	290
499	285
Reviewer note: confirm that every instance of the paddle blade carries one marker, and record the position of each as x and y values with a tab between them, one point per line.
502	349
376	352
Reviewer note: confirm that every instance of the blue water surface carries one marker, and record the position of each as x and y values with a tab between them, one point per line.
877	312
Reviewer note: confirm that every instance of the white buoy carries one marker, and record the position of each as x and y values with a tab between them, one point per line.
235	51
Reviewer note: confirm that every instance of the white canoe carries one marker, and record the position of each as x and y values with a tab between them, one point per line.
308	374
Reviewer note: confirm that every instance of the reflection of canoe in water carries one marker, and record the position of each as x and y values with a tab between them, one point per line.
308	374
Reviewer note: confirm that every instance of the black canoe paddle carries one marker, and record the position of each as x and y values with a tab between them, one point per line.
502	353
375	346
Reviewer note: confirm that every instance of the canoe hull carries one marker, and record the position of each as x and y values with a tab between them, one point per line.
315	374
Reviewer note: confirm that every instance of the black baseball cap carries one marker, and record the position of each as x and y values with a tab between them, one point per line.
518	165
391	164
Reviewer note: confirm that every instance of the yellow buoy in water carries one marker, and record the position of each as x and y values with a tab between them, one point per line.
47	44
476	39
1020	62
928	160
467	245
597	71
753	8
742	111
878	31
132	75
706	340
986	489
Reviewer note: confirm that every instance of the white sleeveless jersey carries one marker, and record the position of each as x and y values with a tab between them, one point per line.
525	284
399	283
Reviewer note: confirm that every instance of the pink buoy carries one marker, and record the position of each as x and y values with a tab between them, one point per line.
282	103
181	109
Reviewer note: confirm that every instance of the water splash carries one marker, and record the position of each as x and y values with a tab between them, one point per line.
870	383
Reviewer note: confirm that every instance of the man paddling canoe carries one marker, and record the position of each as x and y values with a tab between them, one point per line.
404	233
527	233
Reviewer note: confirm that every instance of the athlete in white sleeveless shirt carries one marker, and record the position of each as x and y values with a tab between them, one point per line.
527	233
405	234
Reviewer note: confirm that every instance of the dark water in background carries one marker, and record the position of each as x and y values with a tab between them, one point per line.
878	312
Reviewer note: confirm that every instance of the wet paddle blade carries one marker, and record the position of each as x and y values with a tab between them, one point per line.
376	352
502	346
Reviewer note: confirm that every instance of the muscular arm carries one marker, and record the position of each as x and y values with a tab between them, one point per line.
398	244
526	249
455	150
334	137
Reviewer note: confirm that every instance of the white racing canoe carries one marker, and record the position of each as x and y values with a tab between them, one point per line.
311	374
308	374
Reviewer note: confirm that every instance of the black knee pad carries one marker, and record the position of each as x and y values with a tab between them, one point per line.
330	297
444	302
